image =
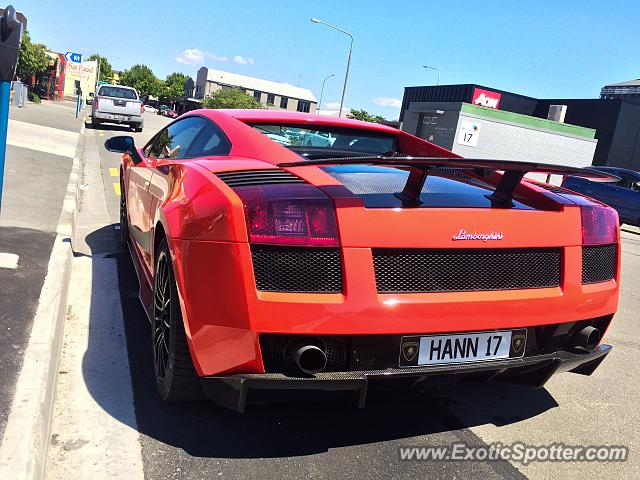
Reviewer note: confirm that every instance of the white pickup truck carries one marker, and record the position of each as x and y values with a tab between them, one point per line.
117	104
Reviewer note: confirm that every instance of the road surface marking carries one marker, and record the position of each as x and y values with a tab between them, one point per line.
114	172
9	260
116	188
43	139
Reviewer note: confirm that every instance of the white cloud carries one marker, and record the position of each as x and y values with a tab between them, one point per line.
243	60
194	56
332	105
388	102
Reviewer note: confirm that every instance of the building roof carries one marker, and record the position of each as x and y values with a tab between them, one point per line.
252	83
628	83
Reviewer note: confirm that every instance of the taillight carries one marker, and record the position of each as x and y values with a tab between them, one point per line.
141	108
95	102
599	225
289	215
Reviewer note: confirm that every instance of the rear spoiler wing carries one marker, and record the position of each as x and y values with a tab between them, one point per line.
419	167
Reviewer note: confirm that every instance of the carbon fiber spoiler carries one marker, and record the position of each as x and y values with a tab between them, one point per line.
419	168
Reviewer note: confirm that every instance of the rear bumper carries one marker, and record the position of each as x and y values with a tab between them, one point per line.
112	118
225	314
235	391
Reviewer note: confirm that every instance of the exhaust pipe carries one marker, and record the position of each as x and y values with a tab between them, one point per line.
309	357
588	338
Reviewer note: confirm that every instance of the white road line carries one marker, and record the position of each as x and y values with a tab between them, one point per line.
43	139
9	260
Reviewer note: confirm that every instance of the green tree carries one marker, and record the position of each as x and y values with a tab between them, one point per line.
143	80
33	58
231	98
106	70
365	116
174	85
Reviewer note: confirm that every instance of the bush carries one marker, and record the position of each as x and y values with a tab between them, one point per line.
32	97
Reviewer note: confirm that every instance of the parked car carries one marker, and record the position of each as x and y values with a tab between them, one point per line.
170	113
376	258
166	111
150	108
623	195
89	99
117	104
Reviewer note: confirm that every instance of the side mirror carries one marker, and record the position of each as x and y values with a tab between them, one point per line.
120	144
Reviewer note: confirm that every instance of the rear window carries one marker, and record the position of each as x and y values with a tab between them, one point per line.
118	92
328	138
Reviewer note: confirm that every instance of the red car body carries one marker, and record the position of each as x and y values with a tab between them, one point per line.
229	322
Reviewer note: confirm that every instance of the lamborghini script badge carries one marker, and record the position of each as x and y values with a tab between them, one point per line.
463	235
409	350
517	342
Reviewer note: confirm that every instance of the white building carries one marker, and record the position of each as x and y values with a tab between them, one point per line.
280	96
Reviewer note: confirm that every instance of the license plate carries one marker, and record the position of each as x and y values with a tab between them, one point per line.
461	347
116	117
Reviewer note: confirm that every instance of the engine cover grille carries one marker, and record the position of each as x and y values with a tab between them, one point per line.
246	178
459	270
599	263
297	269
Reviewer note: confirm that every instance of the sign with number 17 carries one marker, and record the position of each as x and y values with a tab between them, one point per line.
469	133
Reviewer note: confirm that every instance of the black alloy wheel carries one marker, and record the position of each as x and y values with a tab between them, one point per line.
175	376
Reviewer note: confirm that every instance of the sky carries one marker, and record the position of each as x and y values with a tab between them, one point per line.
544	48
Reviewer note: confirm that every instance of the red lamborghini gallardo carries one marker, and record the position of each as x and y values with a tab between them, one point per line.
289	251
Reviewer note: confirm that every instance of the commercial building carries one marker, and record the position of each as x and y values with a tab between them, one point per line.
59	80
273	95
83	74
630	89
521	127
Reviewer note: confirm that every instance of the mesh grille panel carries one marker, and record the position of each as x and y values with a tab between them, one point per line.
599	263
297	269
449	270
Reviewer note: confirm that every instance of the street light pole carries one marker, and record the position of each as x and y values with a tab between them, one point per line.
436	69
95	88
322	90
346	76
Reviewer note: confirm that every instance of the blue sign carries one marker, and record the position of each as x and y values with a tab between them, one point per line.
73	57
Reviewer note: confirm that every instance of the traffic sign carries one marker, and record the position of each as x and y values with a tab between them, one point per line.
73	57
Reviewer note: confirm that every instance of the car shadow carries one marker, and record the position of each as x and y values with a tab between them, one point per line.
108	126
291	429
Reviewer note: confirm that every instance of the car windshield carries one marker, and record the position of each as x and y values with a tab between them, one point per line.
329	138
118	92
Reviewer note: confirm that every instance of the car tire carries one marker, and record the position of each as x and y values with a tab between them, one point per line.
124	220
175	376
138	129
94	123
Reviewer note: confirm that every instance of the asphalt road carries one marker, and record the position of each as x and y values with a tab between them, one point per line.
332	439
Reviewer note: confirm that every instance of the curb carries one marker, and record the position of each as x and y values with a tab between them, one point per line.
23	450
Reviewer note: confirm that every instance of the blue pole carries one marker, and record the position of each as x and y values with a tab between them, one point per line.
5	95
